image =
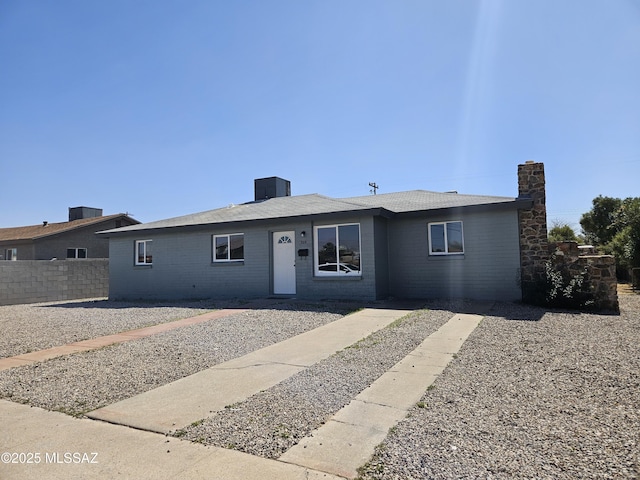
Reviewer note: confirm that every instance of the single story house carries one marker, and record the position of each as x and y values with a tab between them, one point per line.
414	244
74	239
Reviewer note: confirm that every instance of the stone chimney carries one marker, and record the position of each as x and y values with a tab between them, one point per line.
534	250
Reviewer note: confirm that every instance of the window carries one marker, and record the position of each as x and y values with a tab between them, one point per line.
143	252
228	248
11	254
337	250
284	239
76	253
445	238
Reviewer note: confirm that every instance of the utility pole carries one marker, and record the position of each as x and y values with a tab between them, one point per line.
374	187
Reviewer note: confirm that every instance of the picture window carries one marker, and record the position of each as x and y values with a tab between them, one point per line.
337	250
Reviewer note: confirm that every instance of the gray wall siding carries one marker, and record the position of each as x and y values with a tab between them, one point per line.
381	257
343	287
183	268
56	246
394	257
487	270
24	250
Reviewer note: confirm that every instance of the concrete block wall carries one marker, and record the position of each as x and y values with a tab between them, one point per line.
32	281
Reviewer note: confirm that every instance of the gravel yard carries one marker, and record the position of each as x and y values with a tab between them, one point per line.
531	394
26	328
557	398
78	383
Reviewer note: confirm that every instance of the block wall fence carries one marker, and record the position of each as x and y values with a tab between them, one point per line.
33	281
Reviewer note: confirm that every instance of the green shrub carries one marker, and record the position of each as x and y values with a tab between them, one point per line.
558	287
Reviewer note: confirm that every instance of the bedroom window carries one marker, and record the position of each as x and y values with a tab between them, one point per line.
446	238
228	248
337	250
143	252
76	253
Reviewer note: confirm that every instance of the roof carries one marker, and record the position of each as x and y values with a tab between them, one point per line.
421	200
315	204
34	232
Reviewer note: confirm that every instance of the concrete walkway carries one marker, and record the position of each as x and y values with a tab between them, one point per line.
178	404
347	441
66	446
107	451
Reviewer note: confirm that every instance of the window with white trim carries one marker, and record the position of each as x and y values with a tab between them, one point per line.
143	252
337	250
446	238
11	254
76	253
228	248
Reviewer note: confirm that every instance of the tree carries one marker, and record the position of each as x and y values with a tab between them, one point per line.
599	223
614	225
561	232
625	245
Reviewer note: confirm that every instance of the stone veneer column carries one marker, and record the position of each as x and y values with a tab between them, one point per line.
534	250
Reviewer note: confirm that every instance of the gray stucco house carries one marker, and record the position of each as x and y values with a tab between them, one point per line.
74	239
415	244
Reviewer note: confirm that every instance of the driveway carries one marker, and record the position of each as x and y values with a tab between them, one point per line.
530	393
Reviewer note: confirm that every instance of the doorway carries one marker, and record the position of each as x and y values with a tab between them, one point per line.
284	263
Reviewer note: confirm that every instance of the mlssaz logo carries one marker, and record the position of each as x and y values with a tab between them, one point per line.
71	457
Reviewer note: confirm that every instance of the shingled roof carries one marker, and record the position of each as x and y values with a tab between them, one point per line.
389	204
423	200
34	232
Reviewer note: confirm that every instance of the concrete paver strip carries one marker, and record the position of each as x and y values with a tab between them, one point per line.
12	362
399	390
114	451
348	440
106	340
337	448
42	355
192	398
176	405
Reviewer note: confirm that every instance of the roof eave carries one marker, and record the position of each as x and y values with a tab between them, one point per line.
105	218
374	212
517	204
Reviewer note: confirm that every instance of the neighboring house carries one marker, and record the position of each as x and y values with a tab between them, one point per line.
415	244
66	240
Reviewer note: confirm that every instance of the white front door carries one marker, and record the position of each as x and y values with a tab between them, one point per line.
284	263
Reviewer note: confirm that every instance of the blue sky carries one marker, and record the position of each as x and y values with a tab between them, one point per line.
164	108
